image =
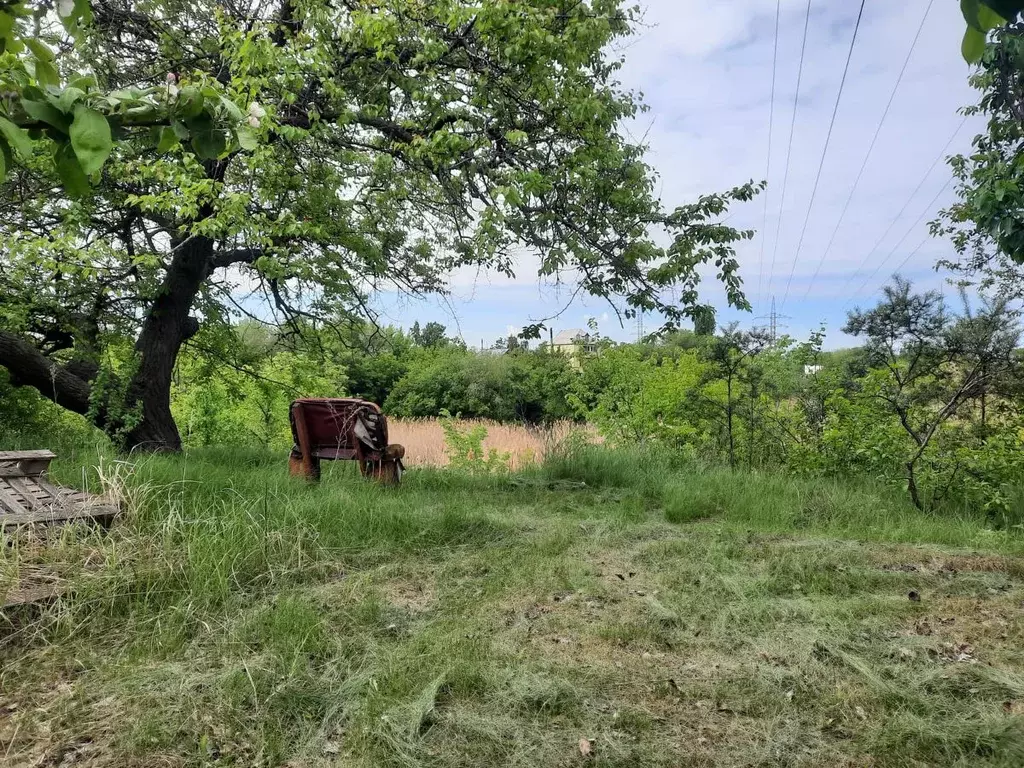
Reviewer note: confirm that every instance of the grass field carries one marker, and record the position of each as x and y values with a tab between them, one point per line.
603	609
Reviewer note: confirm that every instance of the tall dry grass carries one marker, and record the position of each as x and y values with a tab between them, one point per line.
424	439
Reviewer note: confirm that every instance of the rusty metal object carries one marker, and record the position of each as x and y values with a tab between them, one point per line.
343	429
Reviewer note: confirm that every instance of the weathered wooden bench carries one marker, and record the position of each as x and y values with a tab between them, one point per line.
344	429
27	497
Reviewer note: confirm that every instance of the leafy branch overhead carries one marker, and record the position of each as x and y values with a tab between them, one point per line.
985	224
387	144
983	16
80	121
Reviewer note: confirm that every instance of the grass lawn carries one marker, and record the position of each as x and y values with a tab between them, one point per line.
643	614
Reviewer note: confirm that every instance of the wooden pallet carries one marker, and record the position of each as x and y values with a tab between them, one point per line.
28	498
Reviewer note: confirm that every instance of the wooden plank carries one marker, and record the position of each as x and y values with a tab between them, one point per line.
24	487
28	595
55	491
35	500
59	514
8	501
19	455
24	469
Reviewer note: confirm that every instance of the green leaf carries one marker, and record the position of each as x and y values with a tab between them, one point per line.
71	173
246	138
39	49
209	145
970	8
79	17
989	19
47	113
16	137
1007	9
90	138
190	103
83	82
70	97
6	161
9	42
232	109
46	73
973	45
180	129
168	140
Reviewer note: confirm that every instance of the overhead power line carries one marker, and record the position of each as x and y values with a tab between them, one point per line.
789	147
768	164
867	155
899	215
928	209
824	151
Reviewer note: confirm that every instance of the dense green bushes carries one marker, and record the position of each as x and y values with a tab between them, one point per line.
929	404
528	387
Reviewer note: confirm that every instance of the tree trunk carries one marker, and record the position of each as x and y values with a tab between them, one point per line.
984	391
167	326
912	486
752	431
728	417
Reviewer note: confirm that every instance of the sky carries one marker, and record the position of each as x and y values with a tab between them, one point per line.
705	71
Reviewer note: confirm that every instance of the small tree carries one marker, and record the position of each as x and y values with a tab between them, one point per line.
729	355
930	364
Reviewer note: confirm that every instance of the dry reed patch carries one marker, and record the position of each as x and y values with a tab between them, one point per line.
424	440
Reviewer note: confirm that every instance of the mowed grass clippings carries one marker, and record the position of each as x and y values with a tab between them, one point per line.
663	615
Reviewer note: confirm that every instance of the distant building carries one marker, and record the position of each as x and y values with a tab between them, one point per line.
810	370
572	343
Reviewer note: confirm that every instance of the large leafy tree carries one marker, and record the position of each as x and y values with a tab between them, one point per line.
287	159
986	224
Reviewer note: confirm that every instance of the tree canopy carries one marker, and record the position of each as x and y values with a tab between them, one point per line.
286	160
986	224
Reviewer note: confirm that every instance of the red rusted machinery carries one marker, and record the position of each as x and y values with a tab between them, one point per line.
343	429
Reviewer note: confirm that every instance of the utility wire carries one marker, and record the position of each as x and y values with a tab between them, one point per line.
928	209
867	156
896	218
824	151
768	165
789	148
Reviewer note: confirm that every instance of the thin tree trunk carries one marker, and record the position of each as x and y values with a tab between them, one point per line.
753	434
984	392
728	418
912	486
